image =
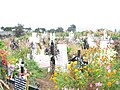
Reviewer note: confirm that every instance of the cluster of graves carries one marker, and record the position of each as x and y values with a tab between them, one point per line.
56	54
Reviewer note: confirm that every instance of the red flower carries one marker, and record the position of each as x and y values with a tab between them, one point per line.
4	62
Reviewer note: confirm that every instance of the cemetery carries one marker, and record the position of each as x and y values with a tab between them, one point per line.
60	61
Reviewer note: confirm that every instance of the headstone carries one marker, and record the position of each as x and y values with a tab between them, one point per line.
105	34
62	58
71	36
104	43
104	40
91	41
43	35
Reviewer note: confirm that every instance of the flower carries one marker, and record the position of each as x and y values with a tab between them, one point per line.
109	70
76	70
117	82
98	84
55	74
66	78
100	64
75	62
96	88
108	67
69	66
90	85
114	71
109	84
56	86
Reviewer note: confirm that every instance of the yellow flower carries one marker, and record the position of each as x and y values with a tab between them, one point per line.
54	79
66	78
81	83
97	70
71	63
58	67
69	66
109	84
75	62
30	74
55	74
119	69
51	78
81	68
85	66
56	86
76	70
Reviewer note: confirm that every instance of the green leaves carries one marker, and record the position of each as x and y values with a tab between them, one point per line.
1	44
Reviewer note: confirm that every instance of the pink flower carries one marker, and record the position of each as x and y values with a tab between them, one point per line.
90	85
108	67
100	64
98	84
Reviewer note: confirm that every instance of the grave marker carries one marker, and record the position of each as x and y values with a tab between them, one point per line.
62	60
20	83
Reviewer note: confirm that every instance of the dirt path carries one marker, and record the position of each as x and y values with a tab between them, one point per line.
46	83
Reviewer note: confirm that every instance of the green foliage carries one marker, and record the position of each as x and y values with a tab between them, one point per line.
72	28
1	44
37	72
19	30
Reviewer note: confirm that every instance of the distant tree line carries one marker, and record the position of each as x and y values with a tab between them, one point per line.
20	29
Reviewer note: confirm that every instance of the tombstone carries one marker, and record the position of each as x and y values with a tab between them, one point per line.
105	35
33	40
43	35
71	36
91	41
62	58
104	43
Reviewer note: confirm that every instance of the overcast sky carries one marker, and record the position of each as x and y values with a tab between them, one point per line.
85	14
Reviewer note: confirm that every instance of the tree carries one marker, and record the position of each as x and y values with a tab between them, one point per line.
19	30
42	29
59	29
72	28
2	28
6	28
37	30
51	30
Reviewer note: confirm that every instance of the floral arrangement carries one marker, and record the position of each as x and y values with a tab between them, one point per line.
3	64
102	72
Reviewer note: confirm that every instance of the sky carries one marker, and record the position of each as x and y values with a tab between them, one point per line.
85	14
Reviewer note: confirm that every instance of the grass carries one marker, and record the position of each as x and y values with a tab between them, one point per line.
37	73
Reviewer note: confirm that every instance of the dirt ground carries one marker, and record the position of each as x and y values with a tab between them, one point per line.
46	83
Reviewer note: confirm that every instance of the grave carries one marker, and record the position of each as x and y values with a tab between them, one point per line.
71	36
91	40
104	43
62	58
34	39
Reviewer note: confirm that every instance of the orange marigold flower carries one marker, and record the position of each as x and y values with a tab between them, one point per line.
114	71
109	84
